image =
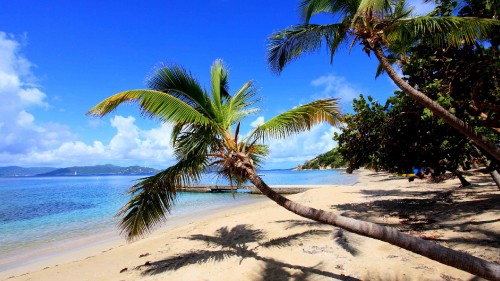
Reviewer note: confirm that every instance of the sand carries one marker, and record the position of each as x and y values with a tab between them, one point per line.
262	241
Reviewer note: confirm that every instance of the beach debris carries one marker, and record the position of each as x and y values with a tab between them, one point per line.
147	263
123	270
144	255
430	237
448	277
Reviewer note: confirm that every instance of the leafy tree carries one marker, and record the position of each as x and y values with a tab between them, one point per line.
399	137
203	137
463	80
381	26
360	141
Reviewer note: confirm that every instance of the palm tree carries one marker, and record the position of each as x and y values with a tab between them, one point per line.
381	26
203	139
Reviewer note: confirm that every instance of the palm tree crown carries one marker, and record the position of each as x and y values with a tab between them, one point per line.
205	135
387	24
381	26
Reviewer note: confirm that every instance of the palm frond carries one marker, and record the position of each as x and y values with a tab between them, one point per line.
401	10
309	8
441	31
300	119
288	44
257	153
176	130
375	8
181	84
197	141
238	105
153	104
219	85
151	199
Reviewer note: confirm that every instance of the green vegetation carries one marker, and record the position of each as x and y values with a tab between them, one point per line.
329	160
389	31
205	136
399	137
402	135
383	27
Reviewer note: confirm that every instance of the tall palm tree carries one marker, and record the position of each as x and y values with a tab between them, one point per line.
203	138
381	26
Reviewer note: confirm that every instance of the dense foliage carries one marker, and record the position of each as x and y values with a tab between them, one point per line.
329	160
401	135
398	137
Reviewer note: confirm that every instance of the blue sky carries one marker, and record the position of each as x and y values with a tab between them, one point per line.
60	58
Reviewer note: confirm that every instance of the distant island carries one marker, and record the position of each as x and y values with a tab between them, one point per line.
108	169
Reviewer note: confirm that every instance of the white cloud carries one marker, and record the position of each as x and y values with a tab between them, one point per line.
336	86
33	96
129	146
297	149
20	131
27	142
257	122
25	119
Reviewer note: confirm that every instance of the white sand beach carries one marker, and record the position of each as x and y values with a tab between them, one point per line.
262	241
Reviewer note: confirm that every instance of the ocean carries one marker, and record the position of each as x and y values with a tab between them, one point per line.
39	212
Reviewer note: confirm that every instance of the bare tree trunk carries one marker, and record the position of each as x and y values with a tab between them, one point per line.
461	177
436	109
491	166
420	246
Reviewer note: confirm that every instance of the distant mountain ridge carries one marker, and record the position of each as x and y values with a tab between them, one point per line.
15	171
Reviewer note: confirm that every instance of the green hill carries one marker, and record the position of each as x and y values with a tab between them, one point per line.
329	160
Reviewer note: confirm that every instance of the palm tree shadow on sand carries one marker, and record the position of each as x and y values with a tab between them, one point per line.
242	241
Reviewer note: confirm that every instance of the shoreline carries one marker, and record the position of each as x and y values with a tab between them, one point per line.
74	249
172	244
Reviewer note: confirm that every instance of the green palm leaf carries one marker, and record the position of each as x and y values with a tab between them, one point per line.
238	106
309	8
376	8
440	31
153	104
288	44
219	85
153	197
178	82
300	119
201	136
195	141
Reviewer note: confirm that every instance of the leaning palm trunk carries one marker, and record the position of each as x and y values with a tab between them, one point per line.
435	108
496	177
420	246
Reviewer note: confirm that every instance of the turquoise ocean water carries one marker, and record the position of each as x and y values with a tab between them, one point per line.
37	211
